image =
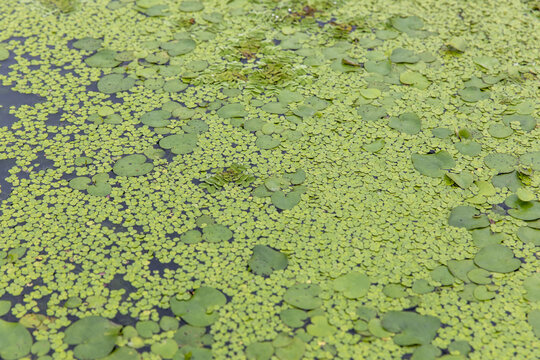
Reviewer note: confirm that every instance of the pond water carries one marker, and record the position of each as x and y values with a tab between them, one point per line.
269	179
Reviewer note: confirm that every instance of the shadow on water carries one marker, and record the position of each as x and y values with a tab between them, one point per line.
5	187
9	98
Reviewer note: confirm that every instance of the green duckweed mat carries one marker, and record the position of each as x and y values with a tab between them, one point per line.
265	179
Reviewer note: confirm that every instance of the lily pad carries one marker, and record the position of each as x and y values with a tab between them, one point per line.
468	218
15	340
378	67
414	79
529	235
503	163
472	94
267	142
293	317
286	201
469	148
527	122
353	285
93	336
371	113
179	143
303	296
216	233
319	327
266	260
88	44
232	111
191	6
531	159
113	83
532	287
433	165
401	55
259	351
497	258
156	118
103	59
275	108
408	123
199	310
179	47
411	328
132	165
292	350
525	210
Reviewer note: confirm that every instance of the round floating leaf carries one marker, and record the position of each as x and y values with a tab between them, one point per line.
303	296
123	353
179	47
80	183
400	55
414	79
93	336
319	327
259	351
469	148
408	123
500	131
525	210
286	96
442	275
467	217
5	306
293	317
217	233
267	142
464	179
371	112
353	285
472	94
532	287
156	118
193	353
479	276
113	83
165	349
409	24
460	268
370	93
41	348
497	258
482	293
179	143
457	44
88	43
132	165
232	111
147	328
168	323
487	62
527	122
103	59
100	188
15	340
503	163
378	67
275	108
412	328
286	201
531	159
529	235
266	260
199	310
191	237
189	335
394	291
422	286
191	6
174	86
375	146
433	165
294	350
426	352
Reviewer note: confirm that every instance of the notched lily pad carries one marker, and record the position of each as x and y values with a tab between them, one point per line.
497	258
266	260
408	123
15	340
433	165
132	165
113	83
179	143
467	217
411	328
303	296
94	337
353	285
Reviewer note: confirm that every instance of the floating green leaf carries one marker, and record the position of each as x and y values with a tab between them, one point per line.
467	217
433	165
93	336
353	285
497	258
303	296
266	260
132	165
412	328
179	143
